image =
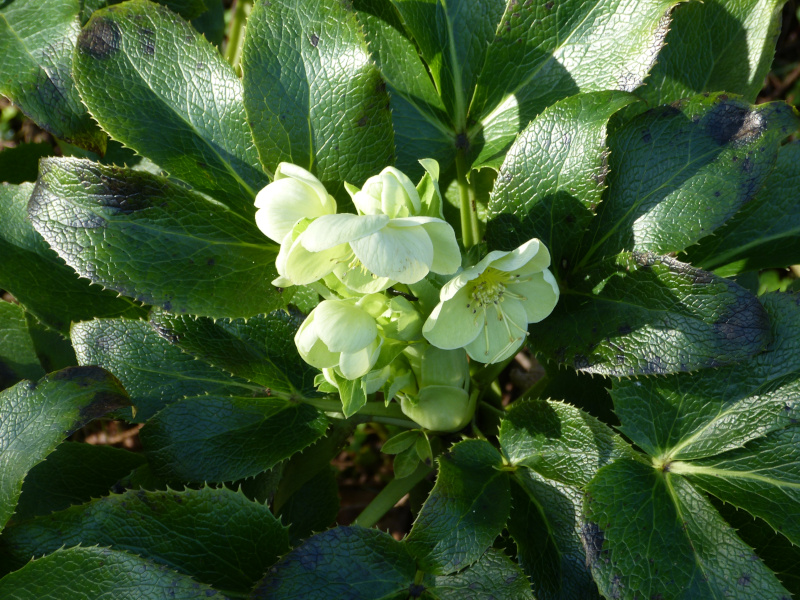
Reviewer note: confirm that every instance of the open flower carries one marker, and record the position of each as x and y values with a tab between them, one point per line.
486	308
342	334
294	194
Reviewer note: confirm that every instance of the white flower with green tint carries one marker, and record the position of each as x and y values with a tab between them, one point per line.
342	334
486	308
294	194
389	193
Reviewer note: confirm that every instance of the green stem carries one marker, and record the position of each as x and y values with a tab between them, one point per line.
390	495
374	411
470	233
233	51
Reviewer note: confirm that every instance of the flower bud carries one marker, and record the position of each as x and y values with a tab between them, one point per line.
390	193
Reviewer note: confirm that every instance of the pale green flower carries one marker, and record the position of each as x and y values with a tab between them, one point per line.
342	334
390	193
486	308
293	195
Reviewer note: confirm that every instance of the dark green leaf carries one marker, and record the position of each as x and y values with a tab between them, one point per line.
260	349
493	577
81	573
313	507
421	126
689	416
188	9
650	533
307	104
39	279
37	38
711	46
54	351
545	524
17	354
766	231
466	510
453	38
213	438
763	478
148	238
212	22
544	51
559	441
642	314
554	175
72	474
36	417
153	372
679	172
156	85
189	531
347	563
21	163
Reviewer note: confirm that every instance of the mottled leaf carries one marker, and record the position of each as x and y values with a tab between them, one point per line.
465	512
36	417
687	416
217	536
313	95
154	372
174	99
149	238
215	439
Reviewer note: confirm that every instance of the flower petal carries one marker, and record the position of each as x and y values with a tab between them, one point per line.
458	282
331	230
357	364
404	254
367	204
303	267
453	324
343	326
399	197
358	280
313	349
540	295
289	170
446	255
284	202
505	332
532	256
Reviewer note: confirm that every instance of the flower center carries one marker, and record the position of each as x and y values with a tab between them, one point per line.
488	289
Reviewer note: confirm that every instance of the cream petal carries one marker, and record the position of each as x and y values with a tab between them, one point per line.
452	287
343	326
358	280
455	323
303	267
282	204
530	257
288	170
366	204
311	348
502	336
357	364
446	255
331	230
399	197
403	254
540	295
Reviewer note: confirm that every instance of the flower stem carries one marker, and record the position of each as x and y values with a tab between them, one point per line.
372	411
390	495
470	233
233	51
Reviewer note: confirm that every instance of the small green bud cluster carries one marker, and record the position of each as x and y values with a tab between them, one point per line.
387	322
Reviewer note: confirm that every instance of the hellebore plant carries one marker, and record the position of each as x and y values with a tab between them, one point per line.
304	226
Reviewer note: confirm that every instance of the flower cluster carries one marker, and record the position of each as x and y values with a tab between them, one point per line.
387	323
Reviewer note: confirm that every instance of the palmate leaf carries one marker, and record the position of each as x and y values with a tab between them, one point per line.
466	510
78	573
176	100
687	416
149	238
764	233
36	417
712	46
353	563
544	51
553	176
642	314
192	531
39	279
651	534
679	172
312	94
154	372
217	439
37	39
260	349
